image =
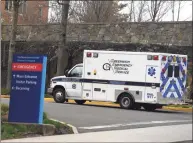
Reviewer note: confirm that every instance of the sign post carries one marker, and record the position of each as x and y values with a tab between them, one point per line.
27	88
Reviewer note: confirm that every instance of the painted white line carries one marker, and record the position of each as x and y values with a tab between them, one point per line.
130	124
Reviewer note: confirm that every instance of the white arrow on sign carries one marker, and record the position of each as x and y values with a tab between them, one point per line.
13	87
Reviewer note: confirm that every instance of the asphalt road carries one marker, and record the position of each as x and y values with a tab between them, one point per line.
89	118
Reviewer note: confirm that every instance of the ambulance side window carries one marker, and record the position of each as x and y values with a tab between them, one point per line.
170	71
76	72
176	71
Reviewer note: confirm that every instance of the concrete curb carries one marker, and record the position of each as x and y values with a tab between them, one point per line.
114	105
4	96
178	109
73	127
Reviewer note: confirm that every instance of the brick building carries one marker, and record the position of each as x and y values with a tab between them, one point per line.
30	12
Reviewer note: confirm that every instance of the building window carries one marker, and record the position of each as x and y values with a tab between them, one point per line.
23	7
40	12
8	5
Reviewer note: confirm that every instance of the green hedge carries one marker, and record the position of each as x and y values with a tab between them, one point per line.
5	91
4	109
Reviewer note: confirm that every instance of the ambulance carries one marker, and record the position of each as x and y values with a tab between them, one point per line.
131	79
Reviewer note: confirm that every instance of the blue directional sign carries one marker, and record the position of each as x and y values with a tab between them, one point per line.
27	88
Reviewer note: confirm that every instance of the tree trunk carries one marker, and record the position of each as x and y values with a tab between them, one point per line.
12	41
62	52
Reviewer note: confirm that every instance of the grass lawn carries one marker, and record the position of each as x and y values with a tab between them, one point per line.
12	131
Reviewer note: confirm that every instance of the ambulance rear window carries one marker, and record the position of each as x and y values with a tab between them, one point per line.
176	71
170	71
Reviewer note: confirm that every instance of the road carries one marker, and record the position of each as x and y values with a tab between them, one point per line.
89	118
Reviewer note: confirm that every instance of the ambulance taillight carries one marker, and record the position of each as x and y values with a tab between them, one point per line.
184	59
156	57
164	58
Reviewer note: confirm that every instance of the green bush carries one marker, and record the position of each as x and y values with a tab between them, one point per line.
47	96
56	124
4	109
5	91
45	116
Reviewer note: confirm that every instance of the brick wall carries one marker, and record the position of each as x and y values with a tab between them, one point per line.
32	15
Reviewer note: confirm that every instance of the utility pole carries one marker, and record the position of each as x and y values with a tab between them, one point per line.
12	44
62	53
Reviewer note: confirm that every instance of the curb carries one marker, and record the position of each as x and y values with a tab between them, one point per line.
73	127
4	96
178	109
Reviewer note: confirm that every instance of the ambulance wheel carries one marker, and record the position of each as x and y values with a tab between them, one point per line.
126	102
149	107
80	102
59	95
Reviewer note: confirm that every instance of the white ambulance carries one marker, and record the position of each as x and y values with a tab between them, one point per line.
131	79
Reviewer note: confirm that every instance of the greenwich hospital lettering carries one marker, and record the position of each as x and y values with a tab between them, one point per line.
120	66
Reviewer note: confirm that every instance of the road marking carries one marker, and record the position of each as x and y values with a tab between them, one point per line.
137	123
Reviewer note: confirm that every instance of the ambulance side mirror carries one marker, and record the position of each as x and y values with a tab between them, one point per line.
66	72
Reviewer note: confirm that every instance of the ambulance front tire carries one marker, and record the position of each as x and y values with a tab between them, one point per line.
59	95
126	101
80	102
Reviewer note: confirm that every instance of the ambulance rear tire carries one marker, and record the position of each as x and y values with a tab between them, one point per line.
126	101
80	102
59	95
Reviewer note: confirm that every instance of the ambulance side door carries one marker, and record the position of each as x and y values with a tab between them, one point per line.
151	79
74	84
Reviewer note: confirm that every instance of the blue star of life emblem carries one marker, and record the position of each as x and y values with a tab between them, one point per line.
151	71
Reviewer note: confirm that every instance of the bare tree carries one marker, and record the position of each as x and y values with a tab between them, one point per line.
62	53
96	11
16	4
157	9
153	10
141	10
17	7
178	10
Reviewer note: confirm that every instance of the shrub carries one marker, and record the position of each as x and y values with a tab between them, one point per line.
47	96
4	109
45	116
5	91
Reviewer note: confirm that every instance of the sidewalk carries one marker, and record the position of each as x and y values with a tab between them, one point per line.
172	133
